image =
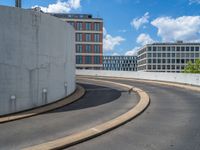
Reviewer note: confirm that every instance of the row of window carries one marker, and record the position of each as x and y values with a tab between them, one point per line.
88	37
88	48
88	60
119	57
183	61
119	61
173	54
169	67
173	48
86	26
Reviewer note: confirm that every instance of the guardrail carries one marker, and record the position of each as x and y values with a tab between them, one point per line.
191	79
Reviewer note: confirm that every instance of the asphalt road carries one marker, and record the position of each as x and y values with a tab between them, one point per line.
171	122
100	104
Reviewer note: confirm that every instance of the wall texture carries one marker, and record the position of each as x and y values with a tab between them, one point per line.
37	59
192	79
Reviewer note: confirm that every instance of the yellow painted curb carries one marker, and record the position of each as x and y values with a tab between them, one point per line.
80	91
99	129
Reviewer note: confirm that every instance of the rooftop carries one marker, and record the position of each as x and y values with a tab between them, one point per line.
73	16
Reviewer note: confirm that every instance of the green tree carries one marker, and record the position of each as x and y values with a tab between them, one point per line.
193	67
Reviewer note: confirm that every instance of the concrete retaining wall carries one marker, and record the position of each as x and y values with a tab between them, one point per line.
37	59
192	79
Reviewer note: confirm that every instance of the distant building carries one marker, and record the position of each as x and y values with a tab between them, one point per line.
120	63
89	39
167	57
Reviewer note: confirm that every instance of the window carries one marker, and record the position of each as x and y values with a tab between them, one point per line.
178	49
97	26
87	37
79	48
149	48
97	37
88	26
79	26
154	48
182	48
79	37
196	48
79	59
88	59
88	48
192	48
96	59
97	48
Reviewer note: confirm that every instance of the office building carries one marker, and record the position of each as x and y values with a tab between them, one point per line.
167	57
120	63
89	39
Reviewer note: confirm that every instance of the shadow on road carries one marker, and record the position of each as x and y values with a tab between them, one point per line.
95	96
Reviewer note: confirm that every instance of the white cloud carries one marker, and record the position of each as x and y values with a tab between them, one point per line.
132	52
110	42
115	54
144	39
194	1
138	22
186	28
61	6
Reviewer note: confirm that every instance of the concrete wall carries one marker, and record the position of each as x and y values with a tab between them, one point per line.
37	54
192	79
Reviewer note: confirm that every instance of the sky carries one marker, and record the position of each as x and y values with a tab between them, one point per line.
130	24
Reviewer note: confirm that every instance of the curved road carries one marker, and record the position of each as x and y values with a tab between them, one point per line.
100	104
171	122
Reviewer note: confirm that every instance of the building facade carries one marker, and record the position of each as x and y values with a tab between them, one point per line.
167	57
89	39
120	63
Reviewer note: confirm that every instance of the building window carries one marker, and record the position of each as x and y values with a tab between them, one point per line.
88	59
79	59
79	26
97	48
96	59
87	37
196	48
97	26
88	48
79	37
79	48
88	26
97	37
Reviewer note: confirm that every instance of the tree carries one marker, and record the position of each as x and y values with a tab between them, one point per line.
193	67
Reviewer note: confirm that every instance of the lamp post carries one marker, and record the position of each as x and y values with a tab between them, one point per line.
18	3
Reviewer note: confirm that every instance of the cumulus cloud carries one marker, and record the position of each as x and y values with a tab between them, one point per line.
110	42
186	28
194	1
138	22
144	39
132	52
61	6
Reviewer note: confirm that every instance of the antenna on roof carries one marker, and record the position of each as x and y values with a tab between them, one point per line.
18	3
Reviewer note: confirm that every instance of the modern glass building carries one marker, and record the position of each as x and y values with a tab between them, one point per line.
89	39
120	63
167	57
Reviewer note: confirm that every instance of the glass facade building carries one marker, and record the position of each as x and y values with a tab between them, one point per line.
120	63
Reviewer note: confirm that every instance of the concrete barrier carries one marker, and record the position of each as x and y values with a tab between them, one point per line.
37	59
191	79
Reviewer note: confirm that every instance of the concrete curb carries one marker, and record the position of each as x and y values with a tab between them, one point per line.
80	91
179	85
99	129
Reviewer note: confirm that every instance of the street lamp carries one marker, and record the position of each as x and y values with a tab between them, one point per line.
18	3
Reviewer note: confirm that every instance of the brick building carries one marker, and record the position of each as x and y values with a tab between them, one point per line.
89	39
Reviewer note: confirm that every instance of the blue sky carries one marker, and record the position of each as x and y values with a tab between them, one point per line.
130	24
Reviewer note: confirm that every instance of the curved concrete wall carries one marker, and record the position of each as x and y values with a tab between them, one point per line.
191	79
37	59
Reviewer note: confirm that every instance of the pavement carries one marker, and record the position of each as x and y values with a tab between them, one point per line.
171	122
100	104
